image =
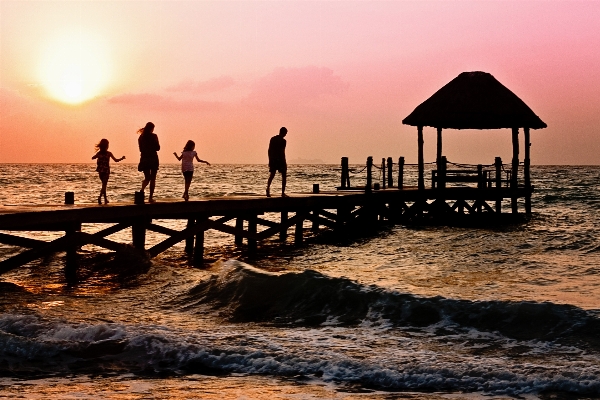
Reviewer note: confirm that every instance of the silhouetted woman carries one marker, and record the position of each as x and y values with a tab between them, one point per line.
148	142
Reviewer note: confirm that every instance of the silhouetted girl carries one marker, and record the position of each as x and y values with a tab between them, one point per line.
103	157
148	143
187	165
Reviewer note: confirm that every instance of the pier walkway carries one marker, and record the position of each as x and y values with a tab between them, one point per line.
239	216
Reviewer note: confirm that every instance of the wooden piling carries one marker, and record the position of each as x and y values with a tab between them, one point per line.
299	231
239	226
283	233
383	174
69	198
526	171
199	245
515	169
420	158
138	234
498	165
369	184
401	173
442	168
72	262
390	178
345	174
252	230
189	241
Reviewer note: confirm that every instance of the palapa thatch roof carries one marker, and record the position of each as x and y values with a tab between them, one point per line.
474	100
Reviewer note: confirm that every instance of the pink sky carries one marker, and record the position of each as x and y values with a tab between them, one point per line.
339	75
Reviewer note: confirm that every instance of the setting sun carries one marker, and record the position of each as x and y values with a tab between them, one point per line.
74	67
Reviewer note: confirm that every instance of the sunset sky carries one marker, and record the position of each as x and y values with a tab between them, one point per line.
340	75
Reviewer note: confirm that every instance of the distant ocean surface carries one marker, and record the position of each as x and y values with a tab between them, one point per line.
407	312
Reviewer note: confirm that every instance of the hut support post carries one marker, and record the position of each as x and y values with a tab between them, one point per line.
368	186
383	174
199	246
284	230
526	171
420	158
439	145
442	167
345	174
315	221
498	165
515	169
390	178
401	173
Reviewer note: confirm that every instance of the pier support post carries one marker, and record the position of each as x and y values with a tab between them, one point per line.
345	174
315	221
390	178
526	172
199	245
252	230
284	230
420	158
72	262
515	170
138	234
498	165
189	241
401	173
239	225
439	145
369	184
299	231
442	168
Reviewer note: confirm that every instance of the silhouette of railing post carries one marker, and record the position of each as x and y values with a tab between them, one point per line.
368	186
383	174
345	174
515	170
401	173
69	197
390	178
498	165
526	165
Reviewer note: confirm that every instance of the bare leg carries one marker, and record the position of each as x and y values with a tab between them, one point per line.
144	184
103	191
188	182
283	183
269	183
152	185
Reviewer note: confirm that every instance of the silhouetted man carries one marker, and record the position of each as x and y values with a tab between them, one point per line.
277	160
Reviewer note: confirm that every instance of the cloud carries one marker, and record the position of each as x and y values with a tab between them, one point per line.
158	102
286	87
209	86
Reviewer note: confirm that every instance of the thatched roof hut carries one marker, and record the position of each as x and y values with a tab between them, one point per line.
474	100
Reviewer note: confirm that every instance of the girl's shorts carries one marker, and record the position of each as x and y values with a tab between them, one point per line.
188	174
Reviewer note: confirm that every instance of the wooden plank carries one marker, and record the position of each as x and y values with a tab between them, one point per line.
161	229
231	230
289	222
37	252
20	241
266	222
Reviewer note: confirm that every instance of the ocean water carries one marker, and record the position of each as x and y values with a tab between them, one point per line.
400	313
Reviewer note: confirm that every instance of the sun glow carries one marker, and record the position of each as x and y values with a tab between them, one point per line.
74	67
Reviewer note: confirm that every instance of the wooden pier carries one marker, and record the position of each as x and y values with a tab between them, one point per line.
243	217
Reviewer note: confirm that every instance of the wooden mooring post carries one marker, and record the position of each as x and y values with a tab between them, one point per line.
401	173
345	174
498	165
390	177
369	184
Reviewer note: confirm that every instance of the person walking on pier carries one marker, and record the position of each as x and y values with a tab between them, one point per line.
277	160
148	143
187	165
103	157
